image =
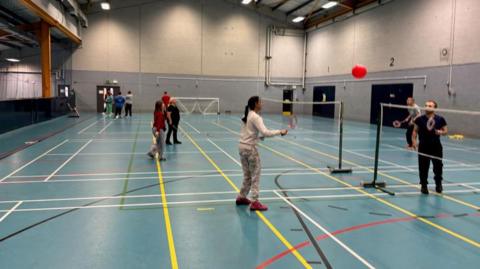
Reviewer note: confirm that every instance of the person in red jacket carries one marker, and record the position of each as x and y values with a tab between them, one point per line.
165	100
158	130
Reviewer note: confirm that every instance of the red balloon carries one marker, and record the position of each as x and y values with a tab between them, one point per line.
359	71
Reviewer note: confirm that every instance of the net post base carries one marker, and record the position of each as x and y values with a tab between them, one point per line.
334	170
369	185
377	185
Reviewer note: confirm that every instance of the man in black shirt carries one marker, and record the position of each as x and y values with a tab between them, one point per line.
429	128
173	118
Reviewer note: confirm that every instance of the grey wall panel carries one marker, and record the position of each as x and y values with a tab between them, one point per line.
357	95
232	91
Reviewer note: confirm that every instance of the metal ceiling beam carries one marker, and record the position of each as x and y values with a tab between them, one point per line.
33	7
279	4
299	7
10	45
11	15
316	21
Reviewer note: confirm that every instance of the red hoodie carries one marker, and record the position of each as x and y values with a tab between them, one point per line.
158	121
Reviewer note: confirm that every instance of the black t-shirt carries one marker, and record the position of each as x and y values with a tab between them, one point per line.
426	135
175	114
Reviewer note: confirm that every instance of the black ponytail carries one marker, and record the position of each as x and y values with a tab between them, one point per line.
250	106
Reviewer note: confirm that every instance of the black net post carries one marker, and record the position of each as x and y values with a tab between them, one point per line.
340	169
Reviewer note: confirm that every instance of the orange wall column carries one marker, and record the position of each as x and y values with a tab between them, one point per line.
46	58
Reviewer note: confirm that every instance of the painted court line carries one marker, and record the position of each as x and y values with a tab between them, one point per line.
129	153
228	155
189	125
325	231
300	197
267	222
168	226
200	202
84	129
10	211
105	128
67	161
363	155
32	161
378	199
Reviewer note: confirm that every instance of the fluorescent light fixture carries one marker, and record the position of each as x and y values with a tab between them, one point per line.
330	4
13	60
298	19
105	5
246	2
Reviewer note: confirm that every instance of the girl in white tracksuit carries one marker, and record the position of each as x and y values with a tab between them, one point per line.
252	130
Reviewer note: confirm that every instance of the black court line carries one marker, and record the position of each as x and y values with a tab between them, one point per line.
305	227
80	207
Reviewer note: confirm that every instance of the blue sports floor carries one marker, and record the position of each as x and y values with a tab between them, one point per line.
89	197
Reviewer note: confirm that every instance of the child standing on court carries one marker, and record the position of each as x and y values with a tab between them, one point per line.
109	103
252	127
158	130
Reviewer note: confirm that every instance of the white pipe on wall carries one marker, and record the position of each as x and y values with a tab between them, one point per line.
268	57
345	81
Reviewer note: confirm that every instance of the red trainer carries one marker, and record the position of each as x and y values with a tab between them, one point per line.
242	201
258	206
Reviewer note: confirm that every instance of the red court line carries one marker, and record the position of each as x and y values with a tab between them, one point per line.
345	230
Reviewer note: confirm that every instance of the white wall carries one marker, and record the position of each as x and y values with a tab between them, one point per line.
209	37
412	31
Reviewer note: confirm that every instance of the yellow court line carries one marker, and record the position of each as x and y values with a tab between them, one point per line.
383	201
168	226
275	231
383	174
448	197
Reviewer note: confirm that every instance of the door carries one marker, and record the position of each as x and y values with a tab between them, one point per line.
102	92
393	94
287	109
324	94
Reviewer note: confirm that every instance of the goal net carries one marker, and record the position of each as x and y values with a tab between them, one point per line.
198	105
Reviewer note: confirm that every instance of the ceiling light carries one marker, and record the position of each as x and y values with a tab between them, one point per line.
298	19
330	4
246	2
13	60
105	5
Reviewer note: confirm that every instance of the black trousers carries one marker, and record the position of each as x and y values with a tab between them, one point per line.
118	111
408	134
128	110
436	151
172	128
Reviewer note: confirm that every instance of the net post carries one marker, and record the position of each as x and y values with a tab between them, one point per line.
340	146
374	184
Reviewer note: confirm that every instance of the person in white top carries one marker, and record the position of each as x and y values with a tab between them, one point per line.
252	131
408	122
128	104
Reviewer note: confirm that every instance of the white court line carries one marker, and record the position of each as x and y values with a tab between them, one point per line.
68	160
430	156
364	156
84	129
32	161
340	196
10	211
228	155
348	249
108	125
129	153
202	176
196	130
383	169
166	172
234	192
